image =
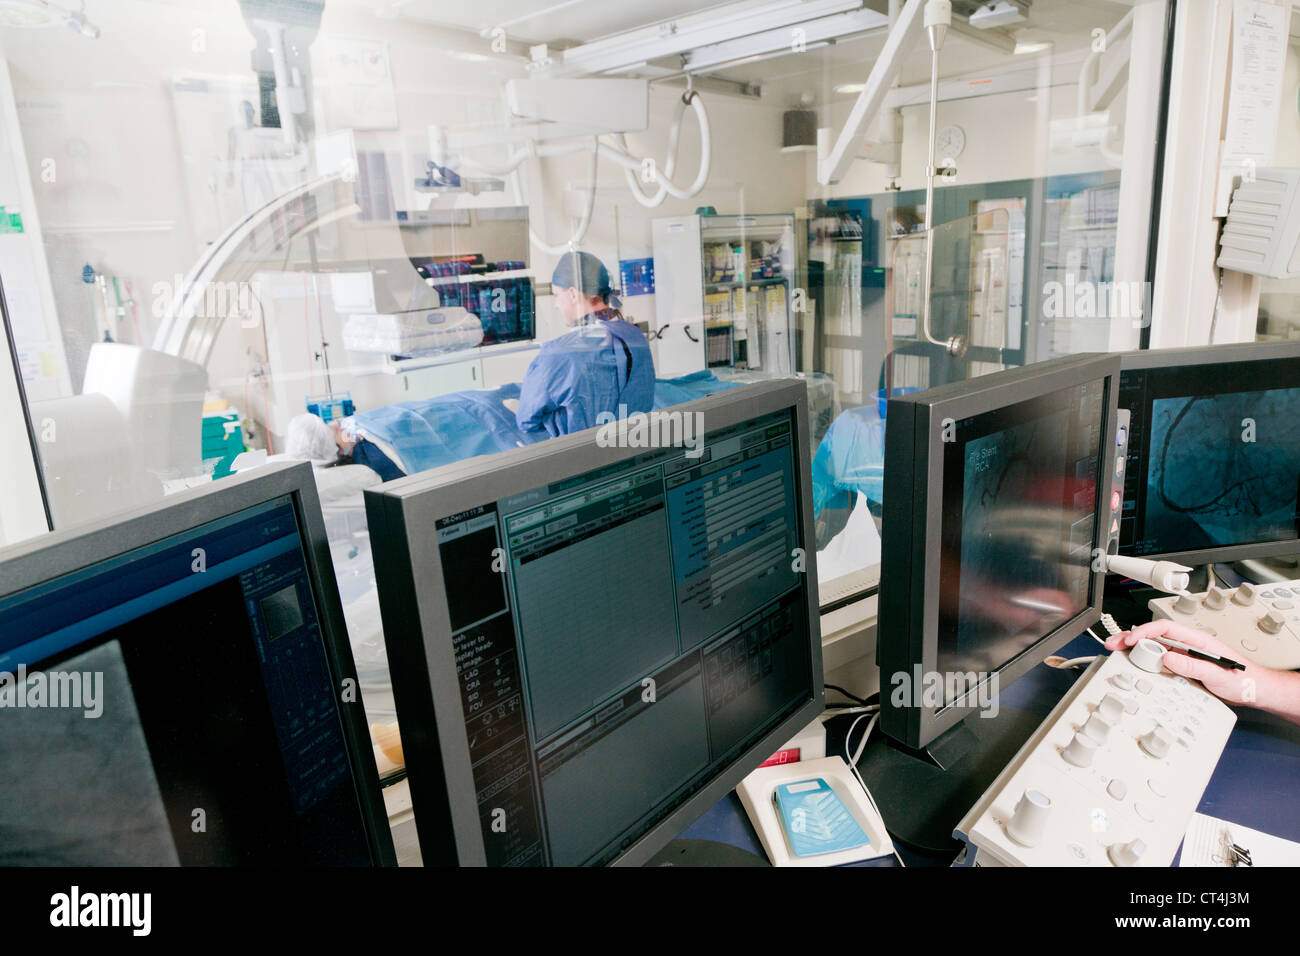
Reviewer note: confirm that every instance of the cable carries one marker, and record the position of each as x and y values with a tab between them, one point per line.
666	186
1075	661
843	710
623	156
853	765
853	697
583	224
1095	637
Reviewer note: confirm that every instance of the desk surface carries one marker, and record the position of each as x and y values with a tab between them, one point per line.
1256	783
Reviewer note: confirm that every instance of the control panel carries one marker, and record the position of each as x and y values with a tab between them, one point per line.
1113	775
1261	622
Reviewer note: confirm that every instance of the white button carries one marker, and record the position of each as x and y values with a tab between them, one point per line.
1146	813
1126	854
1156	743
1148	655
1080	751
1158	787
1117	788
1029	821
1122	681
1098	728
1111	707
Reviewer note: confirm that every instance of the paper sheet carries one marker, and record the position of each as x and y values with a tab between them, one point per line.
1259	43
1209	842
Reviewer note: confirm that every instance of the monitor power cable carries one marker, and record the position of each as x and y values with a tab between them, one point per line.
853	765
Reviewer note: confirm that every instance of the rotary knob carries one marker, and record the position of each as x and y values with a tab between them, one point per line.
1080	750
1245	595
1111	707
1186	604
1029	821
1215	599
1126	854
1272	622
1155	742
1148	655
1098	728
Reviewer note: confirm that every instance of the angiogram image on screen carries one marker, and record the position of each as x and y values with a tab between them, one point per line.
1224	469
1014	581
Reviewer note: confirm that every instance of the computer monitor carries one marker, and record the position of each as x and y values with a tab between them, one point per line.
1213	467
594	638
995	518
176	687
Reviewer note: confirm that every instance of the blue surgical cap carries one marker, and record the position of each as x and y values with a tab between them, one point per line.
584	272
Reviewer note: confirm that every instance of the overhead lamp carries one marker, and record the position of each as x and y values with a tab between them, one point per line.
850	88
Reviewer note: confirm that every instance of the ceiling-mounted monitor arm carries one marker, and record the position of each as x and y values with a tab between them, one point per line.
904	34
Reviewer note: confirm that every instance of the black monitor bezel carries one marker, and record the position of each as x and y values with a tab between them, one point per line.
401	516
907	628
1207	355
36	561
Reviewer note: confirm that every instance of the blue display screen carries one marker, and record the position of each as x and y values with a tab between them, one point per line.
205	728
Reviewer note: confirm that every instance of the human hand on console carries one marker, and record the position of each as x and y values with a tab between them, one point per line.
1256	686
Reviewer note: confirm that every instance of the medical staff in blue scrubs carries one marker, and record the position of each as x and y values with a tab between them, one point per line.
603	365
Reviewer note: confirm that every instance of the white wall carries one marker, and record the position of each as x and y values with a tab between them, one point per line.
1007	137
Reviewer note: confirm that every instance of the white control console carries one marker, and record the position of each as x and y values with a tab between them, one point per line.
1111	778
1259	621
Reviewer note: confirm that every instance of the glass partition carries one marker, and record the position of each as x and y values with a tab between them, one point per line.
349	232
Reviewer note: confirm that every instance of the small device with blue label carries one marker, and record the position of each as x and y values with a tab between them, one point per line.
331	407
815	820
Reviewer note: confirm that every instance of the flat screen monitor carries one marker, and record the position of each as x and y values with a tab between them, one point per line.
594	638
176	688
994	513
1213	466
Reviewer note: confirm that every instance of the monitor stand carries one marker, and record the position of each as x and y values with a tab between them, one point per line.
923	794
704	853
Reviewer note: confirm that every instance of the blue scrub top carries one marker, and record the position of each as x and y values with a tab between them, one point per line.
605	366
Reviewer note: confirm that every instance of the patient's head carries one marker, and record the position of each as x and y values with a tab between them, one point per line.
312	440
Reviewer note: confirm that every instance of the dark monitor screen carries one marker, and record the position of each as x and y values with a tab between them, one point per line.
175	704
1213	466
622	636
995	516
1019	513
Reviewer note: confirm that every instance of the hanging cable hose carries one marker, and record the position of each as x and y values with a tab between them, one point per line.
666	186
623	156
583	224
